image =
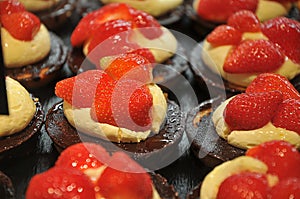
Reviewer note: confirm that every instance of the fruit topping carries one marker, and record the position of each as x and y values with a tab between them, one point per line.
10	6
251	110
224	35
253	56
286	34
287	188
244	21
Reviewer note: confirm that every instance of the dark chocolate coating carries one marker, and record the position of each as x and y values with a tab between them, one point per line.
195	193
6	187
165	190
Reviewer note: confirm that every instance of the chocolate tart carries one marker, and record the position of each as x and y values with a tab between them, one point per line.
7	190
206	144
41	73
165	190
195	193
24	141
155	150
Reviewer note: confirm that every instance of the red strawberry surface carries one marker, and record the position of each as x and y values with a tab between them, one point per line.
21	25
251	111
83	156
145	52
286	33
287	115
124	179
244	21
60	183
287	188
10	6
269	82
281	158
253	56
220	10
71	89
244	185
224	35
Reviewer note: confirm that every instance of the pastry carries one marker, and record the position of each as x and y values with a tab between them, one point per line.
86	170
268	170
7	190
267	111
272	46
128	30
19	129
32	55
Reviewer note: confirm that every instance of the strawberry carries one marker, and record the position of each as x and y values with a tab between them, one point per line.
70	89
10	6
286	34
145	52
124	179
253	56
220	10
127	105
244	185
244	21
224	35
21	25
281	158
130	66
251	111
269	82
286	188
83	156
287	115
60	183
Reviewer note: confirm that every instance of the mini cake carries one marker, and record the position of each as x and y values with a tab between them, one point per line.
272	46
100	34
32	55
269	170
87	170
269	110
20	127
119	105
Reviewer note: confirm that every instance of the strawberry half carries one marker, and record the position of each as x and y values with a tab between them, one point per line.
251	111
83	156
60	182
244	21
244	186
270	82
253	56
287	115
21	25
281	158
124	179
286	188
286	34
224	35
10	6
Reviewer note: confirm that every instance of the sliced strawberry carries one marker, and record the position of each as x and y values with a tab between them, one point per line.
287	115
253	56
244	21
224	35
145	52
271	82
70	89
60	183
83	156
130	66
219	11
21	25
286	188
286	33
281	158
125	179
10	6
244	186
251	111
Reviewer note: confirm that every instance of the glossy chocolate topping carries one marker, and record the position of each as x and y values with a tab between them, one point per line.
165	190
6	187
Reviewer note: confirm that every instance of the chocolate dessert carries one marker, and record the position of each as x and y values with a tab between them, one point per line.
165	190
41	73
6	187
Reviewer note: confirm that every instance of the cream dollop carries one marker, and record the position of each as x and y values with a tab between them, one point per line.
153	7
21	109
80	119
246	139
19	53
38	5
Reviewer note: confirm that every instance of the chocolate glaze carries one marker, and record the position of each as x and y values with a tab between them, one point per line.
206	143
40	73
195	193
165	190
165	143
6	187
24	141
